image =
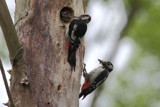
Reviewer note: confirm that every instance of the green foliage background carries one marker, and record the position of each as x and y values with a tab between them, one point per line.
138	85
145	26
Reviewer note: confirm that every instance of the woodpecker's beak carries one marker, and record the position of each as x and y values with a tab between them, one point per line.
70	16
102	62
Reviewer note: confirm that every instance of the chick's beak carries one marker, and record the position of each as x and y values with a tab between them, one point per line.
70	16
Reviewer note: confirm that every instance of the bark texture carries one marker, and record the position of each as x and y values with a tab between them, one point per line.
43	77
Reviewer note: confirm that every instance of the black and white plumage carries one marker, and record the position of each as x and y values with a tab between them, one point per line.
95	78
75	32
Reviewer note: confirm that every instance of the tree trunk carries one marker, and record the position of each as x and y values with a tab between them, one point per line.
43	77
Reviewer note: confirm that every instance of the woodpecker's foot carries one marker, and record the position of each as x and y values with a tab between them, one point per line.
84	68
84	65
85	74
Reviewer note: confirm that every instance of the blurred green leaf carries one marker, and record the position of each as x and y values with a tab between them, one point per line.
105	0
145	27
136	85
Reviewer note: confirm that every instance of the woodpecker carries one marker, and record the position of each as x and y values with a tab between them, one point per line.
66	15
95	78
75	32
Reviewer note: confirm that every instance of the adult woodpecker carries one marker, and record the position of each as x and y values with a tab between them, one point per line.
95	78
75	32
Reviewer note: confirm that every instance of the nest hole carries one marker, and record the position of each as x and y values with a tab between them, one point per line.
66	14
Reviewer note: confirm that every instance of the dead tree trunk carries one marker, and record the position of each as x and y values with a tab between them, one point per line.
42	77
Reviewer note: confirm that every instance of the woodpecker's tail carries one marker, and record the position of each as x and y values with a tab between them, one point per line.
82	94
72	58
72	53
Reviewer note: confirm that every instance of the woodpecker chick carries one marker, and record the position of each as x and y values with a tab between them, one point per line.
95	78
75	32
66	14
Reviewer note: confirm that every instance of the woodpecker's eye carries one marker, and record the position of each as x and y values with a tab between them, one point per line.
85	18
88	19
65	13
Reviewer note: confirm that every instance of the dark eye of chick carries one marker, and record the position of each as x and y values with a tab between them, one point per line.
65	13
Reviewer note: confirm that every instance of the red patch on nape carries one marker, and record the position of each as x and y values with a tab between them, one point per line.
86	84
67	11
67	45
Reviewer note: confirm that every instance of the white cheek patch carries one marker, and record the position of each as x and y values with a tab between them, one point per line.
72	34
85	18
110	67
67	33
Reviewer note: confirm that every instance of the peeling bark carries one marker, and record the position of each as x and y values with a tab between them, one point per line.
43	67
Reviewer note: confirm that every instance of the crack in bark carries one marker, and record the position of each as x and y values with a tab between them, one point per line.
18	55
21	18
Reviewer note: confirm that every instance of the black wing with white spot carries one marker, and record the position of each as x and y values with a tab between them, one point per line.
101	78
98	81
